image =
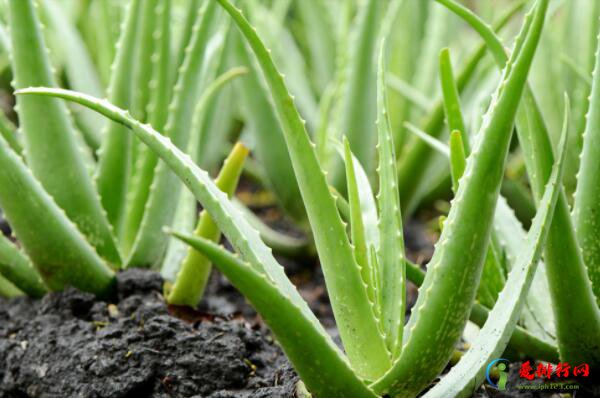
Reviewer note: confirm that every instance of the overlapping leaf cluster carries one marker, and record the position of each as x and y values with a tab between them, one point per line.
95	213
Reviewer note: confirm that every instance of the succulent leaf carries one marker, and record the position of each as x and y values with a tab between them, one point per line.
390	252
51	150
55	246
16	267
195	268
587	195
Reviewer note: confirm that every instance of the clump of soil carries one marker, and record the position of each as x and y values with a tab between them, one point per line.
69	344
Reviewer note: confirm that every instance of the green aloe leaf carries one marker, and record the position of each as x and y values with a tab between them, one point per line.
320	38
452	107
449	289
144	48
158	112
359	98
366	199
9	133
457	157
55	246
79	67
357	228
195	268
51	149
114	154
462	380
8	290
191	13
390	252
271	150
349	298
317	360
587	195
149	244
17	268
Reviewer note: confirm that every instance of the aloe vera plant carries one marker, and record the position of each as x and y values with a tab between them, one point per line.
173	111
396	361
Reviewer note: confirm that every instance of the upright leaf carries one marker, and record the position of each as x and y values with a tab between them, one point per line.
158	111
271	150
150	242
452	107
79	67
357	227
390	253
320	37
50	145
195	268
358	115
354	315
114	154
587	196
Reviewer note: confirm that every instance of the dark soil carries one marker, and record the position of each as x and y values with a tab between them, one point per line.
68	344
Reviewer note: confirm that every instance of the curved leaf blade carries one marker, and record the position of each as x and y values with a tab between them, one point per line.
354	315
318	361
55	246
17	268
